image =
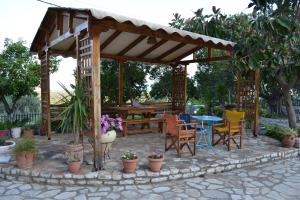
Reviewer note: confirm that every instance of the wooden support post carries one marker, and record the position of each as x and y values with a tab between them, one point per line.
45	95
78	70
256	106
173	87
120	81
185	87
238	91
96	99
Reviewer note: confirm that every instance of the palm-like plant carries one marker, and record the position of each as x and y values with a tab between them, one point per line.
74	116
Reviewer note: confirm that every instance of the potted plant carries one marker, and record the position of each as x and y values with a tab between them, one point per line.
6	147
109	126
155	160
288	137
74	118
25	152
297	143
4	129
74	163
16	128
27	131
129	159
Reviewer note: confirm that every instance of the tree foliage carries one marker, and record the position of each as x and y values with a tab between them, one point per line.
19	73
134	81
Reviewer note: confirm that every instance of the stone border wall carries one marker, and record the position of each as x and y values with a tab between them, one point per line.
140	176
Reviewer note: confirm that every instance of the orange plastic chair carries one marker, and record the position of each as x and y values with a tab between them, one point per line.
230	130
179	135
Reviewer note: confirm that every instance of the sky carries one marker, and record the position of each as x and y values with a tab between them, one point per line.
20	19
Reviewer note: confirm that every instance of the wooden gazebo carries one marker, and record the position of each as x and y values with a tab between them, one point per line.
90	35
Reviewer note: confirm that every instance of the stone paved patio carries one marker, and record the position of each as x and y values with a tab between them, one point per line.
275	180
51	166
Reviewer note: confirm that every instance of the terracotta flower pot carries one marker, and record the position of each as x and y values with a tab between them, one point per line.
129	165
27	133
288	141
25	159
74	167
75	151
155	164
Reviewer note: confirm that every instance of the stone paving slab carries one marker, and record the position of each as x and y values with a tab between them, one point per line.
51	167
274	180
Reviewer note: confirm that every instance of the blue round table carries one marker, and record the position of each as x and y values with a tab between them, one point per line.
205	134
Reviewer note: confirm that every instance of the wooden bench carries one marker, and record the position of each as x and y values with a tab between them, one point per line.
144	122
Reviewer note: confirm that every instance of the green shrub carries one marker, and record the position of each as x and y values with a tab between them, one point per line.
278	132
217	110
25	145
201	111
274	132
4	125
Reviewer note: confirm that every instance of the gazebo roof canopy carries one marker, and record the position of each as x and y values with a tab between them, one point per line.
121	38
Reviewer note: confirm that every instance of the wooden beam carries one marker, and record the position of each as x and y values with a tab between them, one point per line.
152	48
209	52
120	84
71	28
59	23
131	45
96	99
128	27
212	59
134	59
170	51
188	53
256	104
110	39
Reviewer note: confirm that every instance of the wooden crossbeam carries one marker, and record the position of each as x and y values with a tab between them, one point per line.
110	39
128	58
219	58
187	53
146	52
170	51
128	27
131	45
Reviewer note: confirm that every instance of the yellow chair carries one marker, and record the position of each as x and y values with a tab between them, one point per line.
230	130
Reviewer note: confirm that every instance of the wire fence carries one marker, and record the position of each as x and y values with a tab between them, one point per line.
32	118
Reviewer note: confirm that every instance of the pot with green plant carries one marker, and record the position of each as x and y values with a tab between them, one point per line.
25	150
74	118
288	137
16	128
27	131
297	140
4	129
155	160
6	148
129	160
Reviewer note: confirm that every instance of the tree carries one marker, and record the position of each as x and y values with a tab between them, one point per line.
269	38
134	81
162	87
276	28
19	74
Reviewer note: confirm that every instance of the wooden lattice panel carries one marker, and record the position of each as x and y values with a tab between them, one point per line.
45	96
85	67
247	96
179	88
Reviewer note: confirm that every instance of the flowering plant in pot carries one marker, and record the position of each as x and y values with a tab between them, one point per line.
4	129
288	137
25	153
129	159
74	118
109	126
155	160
